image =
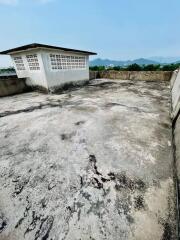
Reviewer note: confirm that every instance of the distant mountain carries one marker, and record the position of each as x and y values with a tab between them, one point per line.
108	62
165	59
105	62
143	61
177	62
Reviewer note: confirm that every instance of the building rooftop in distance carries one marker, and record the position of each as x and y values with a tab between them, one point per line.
44	46
8	74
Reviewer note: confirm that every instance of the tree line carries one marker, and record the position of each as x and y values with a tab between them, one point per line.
7	70
132	67
136	67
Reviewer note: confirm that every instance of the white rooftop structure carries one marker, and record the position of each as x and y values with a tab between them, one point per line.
50	67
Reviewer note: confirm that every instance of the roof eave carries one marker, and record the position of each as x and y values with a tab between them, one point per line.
39	48
36	46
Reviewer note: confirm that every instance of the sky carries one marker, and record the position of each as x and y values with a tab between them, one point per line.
116	29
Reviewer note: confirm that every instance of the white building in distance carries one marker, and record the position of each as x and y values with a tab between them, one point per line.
50	67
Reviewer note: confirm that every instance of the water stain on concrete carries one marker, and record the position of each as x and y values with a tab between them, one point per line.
92	163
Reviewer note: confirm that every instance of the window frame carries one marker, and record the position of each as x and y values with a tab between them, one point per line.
33	62
62	62
19	63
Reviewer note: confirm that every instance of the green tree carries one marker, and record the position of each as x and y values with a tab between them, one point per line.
151	67
134	67
170	67
97	68
7	70
117	68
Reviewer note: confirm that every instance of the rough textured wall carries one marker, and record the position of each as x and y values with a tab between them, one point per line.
93	74
137	75
33	78
151	75
177	142
173	78
56	79
175	92
124	75
175	85
177	160
11	85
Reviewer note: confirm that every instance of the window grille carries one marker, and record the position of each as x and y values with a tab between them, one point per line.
33	62
19	63
59	62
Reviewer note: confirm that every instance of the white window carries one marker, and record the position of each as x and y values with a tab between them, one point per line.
19	63
59	61
33	62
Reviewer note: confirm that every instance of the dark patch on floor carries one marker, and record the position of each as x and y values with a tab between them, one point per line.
135	109
96	208
135	91
51	186
124	205
67	136
126	84
125	186
167	232
25	214
79	123
70	87
20	183
166	125
123	181
3	223
96	183
104	84
30	109
45	228
130	219
139	202
35	220
44	202
93	161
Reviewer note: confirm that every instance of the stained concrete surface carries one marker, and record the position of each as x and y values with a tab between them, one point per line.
177	154
93	163
177	143
11	85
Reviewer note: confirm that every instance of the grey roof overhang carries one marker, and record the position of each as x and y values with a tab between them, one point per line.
44	46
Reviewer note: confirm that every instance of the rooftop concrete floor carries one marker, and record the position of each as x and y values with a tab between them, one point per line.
91	163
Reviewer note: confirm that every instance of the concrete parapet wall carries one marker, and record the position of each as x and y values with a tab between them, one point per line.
93	74
134	75
177	143
151	75
11	85
175	86
175	94
176	133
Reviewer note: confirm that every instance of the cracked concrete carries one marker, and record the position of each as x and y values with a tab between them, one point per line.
91	163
